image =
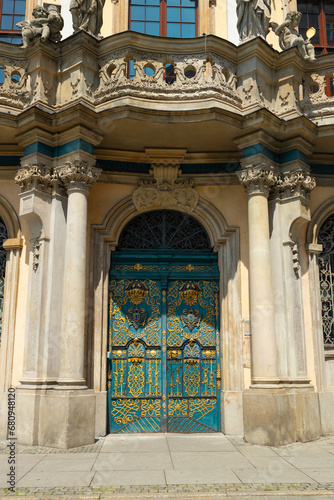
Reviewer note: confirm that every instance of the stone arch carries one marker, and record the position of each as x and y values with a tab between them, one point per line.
225	241
10	218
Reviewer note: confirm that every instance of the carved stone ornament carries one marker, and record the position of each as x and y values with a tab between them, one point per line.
78	175
34	176
257	179
295	183
46	23
36	254
165	191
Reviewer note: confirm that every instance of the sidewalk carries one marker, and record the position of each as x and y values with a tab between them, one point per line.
173	466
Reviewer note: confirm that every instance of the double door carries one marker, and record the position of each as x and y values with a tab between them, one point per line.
163	355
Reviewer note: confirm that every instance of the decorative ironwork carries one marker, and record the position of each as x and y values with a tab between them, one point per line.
190	292
326	274
136	291
3	260
164	229
191	318
136	317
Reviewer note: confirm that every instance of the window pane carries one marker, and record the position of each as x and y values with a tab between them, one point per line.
173	3
16	39
153	2
328	7
188	15
138	13
149	71
2	75
152	13
188	31
188	3
20	7
173	30
138	26
6	22
8	6
138	2
153	29
17	19
173	14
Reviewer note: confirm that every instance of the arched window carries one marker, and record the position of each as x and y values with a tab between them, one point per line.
172	18
326	270
3	258
164	230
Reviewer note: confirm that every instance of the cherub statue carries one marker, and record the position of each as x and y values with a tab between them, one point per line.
289	36
46	23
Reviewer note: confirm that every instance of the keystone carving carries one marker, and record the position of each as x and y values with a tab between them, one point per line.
34	176
257	179
165	190
78	175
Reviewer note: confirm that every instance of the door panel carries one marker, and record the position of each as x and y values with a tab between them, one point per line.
192	354
134	365
163	370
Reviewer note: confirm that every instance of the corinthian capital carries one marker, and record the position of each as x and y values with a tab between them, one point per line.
257	179
295	184
34	176
78	175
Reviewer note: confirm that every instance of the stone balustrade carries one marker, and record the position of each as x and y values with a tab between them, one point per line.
129	65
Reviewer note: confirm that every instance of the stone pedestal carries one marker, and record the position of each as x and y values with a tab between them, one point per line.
59	419
275	417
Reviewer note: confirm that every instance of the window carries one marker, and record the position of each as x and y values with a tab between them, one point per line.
326	276
11	12
172	18
318	14
3	260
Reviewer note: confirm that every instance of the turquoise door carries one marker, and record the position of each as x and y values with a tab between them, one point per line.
163	354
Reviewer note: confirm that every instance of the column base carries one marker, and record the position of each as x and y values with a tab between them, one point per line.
58	419
232	415
276	417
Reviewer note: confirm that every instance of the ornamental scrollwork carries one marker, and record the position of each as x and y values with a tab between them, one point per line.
166	191
34	176
78	175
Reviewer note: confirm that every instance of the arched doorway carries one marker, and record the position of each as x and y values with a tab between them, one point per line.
163	343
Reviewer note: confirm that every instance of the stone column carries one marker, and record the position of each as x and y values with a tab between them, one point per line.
258	180
78	178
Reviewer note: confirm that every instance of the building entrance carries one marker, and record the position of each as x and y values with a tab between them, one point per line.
163	354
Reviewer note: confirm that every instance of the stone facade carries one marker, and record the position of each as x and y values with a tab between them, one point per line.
241	140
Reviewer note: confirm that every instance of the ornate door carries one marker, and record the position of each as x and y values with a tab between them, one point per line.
163	363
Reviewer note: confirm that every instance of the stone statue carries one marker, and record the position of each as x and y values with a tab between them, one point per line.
253	18
47	23
289	36
87	15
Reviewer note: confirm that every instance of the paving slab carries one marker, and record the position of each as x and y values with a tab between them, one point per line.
180	442
212	476
256	451
65	465
270	462
135	444
56	479
208	460
129	478
133	461
322	475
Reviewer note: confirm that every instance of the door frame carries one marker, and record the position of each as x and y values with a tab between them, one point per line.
225	241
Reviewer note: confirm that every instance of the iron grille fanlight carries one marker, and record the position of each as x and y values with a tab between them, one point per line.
164	230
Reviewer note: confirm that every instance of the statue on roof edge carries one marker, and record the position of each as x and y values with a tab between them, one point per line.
46	23
87	15
253	18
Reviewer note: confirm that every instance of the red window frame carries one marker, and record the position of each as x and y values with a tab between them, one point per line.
323	46
163	17
6	32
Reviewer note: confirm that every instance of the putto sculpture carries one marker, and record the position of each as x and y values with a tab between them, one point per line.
87	15
253	18
289	36
47	24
